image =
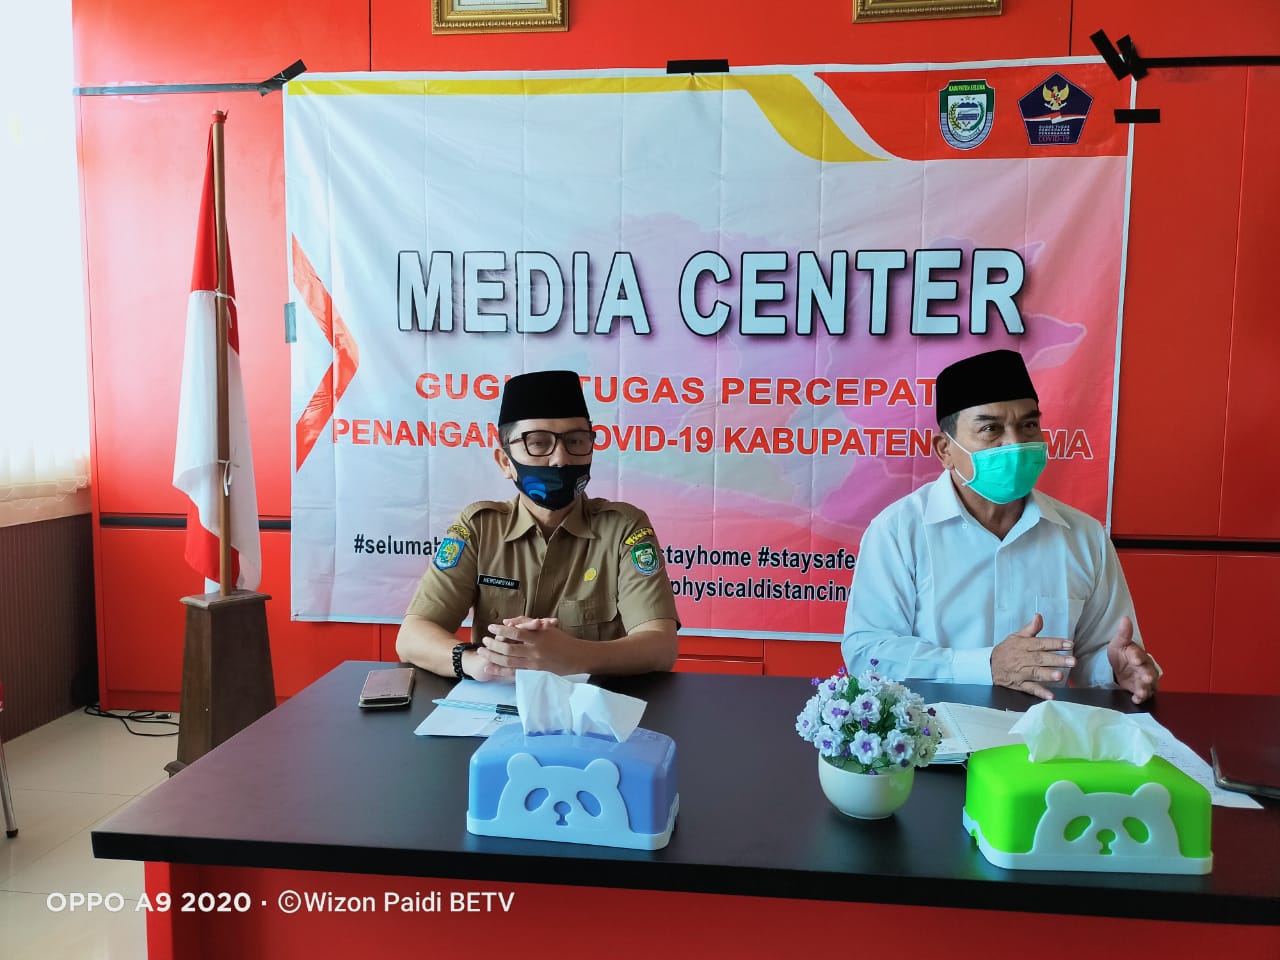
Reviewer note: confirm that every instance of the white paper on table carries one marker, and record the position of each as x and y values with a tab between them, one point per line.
459	722
1189	762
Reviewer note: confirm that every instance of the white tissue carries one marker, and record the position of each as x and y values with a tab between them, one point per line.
552	704
1056	730
542	700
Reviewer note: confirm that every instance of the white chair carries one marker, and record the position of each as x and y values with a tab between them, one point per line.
6	799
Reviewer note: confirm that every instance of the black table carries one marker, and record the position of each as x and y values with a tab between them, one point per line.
319	785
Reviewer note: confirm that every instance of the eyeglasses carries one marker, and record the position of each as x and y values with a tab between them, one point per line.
542	443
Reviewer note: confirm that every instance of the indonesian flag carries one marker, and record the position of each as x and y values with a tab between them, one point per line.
196	470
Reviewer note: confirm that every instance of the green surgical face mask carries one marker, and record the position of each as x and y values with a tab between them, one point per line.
1006	473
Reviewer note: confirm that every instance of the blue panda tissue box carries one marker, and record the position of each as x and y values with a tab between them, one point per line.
578	769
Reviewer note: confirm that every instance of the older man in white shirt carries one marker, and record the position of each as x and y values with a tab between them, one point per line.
979	578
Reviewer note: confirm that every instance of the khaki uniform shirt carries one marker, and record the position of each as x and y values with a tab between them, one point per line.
601	571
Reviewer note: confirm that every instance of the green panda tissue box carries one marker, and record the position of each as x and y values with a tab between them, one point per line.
578	769
1085	792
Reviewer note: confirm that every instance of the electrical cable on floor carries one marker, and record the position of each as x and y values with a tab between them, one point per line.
136	716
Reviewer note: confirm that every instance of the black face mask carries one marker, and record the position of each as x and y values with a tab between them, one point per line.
551	487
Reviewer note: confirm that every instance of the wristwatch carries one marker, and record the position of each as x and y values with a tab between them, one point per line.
458	651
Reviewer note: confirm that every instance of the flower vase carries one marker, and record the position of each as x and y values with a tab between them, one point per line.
865	796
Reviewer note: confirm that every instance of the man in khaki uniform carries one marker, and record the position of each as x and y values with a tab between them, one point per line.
549	572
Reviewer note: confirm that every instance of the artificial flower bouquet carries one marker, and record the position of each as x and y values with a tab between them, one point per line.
869	724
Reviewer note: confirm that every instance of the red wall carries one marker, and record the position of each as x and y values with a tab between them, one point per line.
1199	347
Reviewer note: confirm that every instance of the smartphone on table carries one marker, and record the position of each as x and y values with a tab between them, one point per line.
1248	767
387	688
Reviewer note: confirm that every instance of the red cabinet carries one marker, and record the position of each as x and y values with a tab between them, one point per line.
1246	640
1173	594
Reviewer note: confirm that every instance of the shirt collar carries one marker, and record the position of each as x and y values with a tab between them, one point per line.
944	503
522	521
577	523
1046	507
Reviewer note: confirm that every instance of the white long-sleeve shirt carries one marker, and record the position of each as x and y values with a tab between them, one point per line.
934	590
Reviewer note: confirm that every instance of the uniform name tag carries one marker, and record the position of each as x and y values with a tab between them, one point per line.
487	580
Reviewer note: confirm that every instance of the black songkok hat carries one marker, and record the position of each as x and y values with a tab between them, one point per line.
985	378
543	395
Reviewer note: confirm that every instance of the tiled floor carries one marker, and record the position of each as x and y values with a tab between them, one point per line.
66	776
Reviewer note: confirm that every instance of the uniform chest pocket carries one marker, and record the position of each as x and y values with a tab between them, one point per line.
1061	615
496	604
593	619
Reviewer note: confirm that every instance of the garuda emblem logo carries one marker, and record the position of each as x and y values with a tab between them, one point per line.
1055	97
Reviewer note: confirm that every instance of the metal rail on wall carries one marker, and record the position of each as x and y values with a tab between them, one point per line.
270	85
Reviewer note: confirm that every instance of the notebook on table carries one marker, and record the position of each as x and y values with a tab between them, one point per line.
966	728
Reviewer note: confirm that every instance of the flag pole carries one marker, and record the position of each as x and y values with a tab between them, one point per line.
227	680
224	429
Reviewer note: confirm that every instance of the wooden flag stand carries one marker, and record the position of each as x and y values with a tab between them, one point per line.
227	681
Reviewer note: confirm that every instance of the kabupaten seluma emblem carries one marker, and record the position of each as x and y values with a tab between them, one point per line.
645	558
966	111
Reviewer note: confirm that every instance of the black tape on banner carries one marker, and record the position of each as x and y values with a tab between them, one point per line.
1145	115
698	66
1126	61
1109	53
280	79
1131	58
1152	63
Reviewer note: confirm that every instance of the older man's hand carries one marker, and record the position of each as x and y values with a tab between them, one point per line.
1132	666
1025	661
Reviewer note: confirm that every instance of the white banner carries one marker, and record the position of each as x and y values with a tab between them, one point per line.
757	274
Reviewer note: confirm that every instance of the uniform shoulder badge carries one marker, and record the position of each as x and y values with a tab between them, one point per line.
450	553
458	531
645	558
